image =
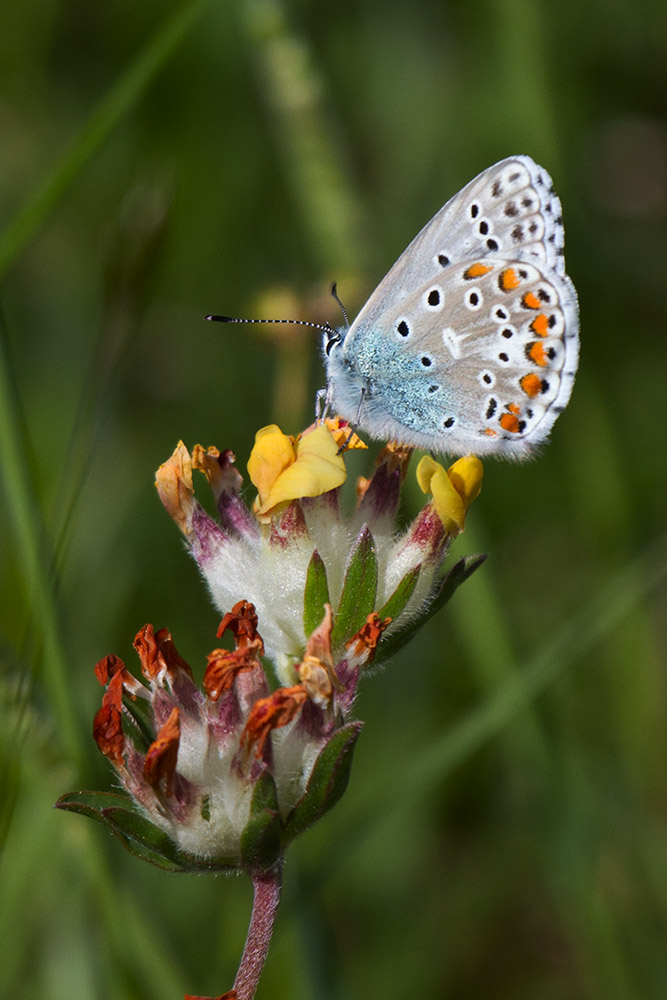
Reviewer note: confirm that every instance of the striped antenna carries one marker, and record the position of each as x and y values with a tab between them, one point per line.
334	292
325	327
295	322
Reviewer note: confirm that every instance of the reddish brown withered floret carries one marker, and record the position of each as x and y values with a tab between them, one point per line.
272	713
241	621
364	643
108	722
225	665
162	755
157	652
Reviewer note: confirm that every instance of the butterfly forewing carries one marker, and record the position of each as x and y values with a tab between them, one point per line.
470	342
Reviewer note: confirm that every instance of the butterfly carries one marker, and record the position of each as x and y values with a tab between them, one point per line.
470	343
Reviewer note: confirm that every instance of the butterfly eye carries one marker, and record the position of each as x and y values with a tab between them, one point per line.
332	342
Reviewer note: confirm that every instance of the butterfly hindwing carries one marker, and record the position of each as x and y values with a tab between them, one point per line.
470	342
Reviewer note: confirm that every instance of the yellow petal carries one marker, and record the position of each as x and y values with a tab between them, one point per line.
425	472
272	454
317	469
174	485
453	490
466	475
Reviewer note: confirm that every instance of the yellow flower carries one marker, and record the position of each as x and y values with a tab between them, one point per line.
452	489
285	469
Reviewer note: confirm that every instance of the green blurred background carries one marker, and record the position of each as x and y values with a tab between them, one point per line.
505	831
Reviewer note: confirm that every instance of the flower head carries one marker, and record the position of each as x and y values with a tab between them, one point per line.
295	552
225	774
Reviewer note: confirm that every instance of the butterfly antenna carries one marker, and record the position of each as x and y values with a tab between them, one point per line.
295	322
334	292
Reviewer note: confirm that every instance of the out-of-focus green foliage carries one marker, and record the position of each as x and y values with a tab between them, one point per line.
504	833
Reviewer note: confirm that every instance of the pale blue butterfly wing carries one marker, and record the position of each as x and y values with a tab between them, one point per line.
470	342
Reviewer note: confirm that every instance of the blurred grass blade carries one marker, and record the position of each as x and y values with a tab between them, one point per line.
296	93
32	554
430	766
111	110
145	958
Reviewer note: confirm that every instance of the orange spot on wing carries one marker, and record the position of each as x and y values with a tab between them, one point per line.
508	279
513	408
536	354
531	384
490	433
477	270
530	301
540	325
510	422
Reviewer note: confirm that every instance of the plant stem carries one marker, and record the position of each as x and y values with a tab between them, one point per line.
266	888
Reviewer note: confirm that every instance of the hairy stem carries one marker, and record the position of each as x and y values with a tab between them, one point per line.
266	897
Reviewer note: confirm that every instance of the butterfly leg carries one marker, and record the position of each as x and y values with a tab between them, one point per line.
322	403
355	424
